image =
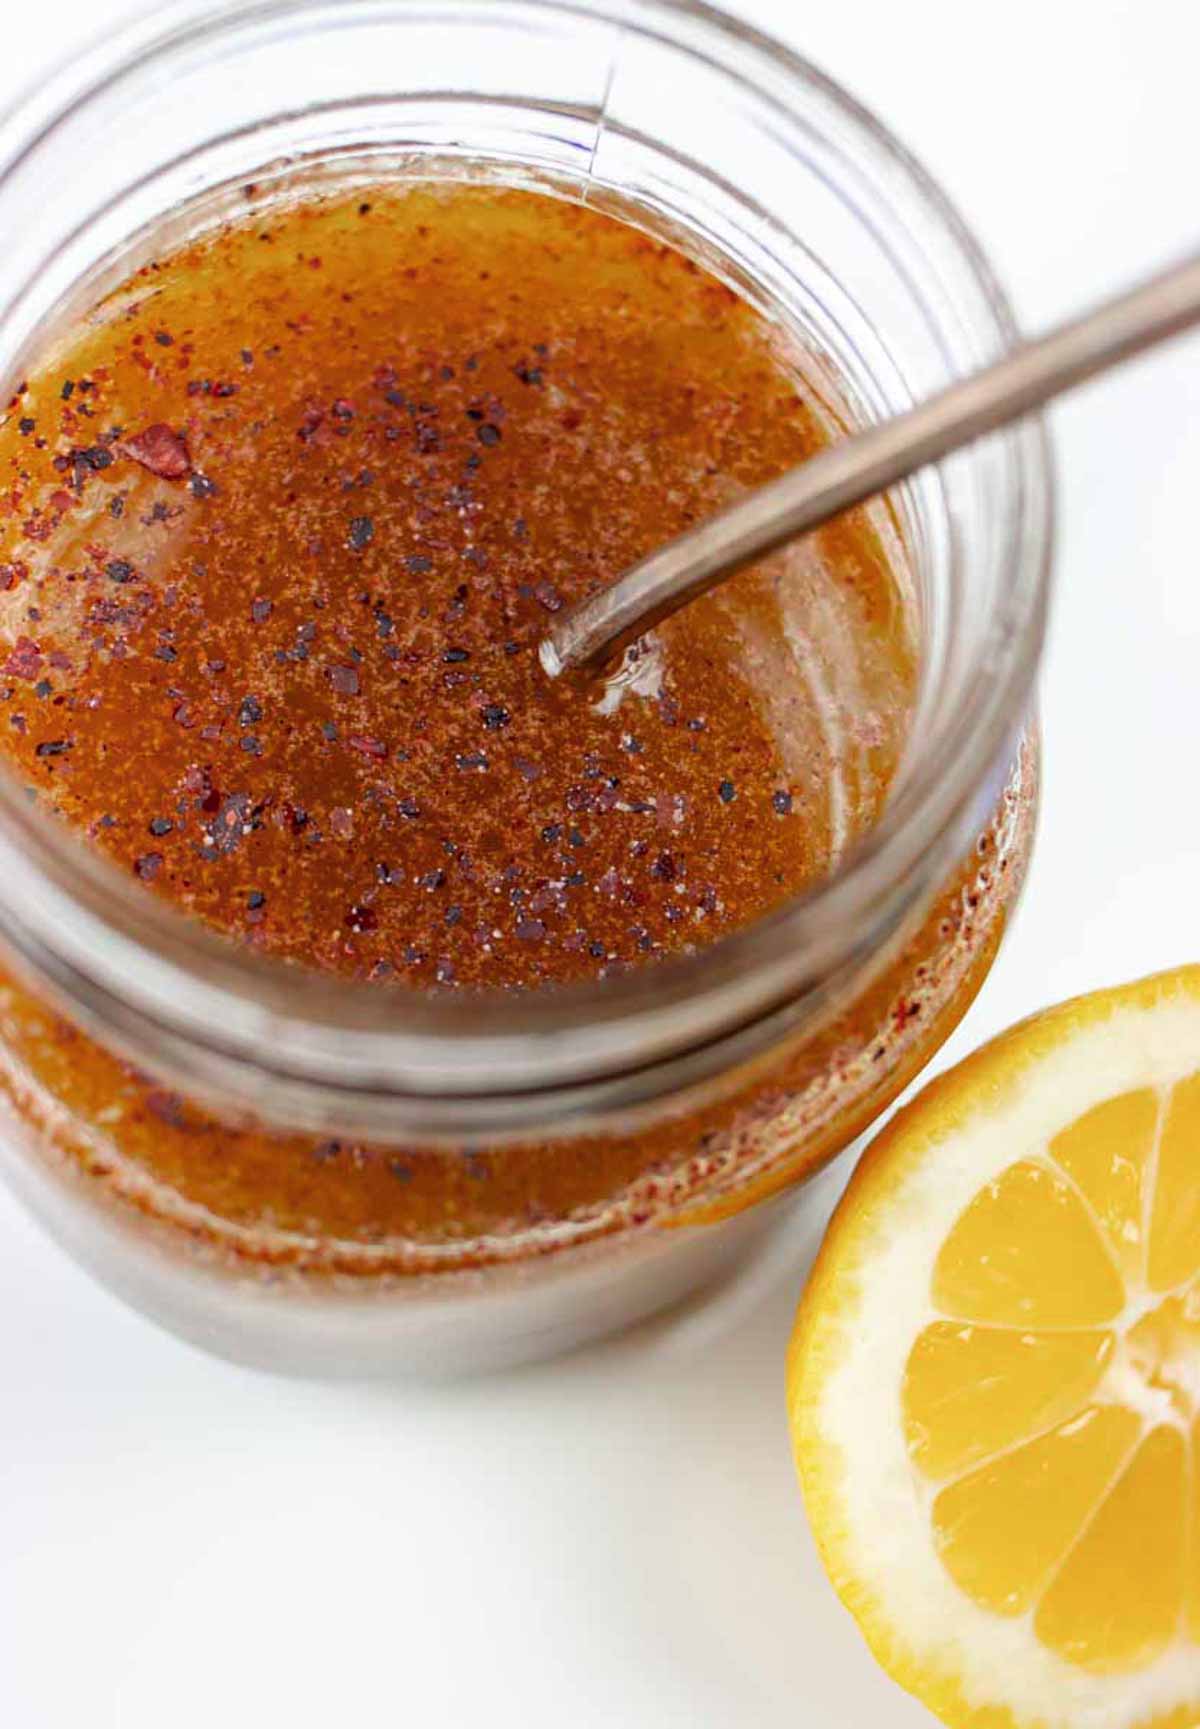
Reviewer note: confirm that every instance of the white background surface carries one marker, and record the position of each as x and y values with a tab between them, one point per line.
617	1539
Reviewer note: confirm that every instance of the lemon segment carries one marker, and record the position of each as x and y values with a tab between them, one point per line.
969	1392
1106	1154
1175	1220
1026	1253
1002	1529
1116	1603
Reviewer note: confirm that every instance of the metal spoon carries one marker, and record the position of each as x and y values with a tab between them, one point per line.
590	633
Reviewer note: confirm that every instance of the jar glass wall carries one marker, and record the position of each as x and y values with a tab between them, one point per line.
508	1177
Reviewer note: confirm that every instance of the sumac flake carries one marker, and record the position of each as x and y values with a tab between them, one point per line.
160	449
344	679
25	661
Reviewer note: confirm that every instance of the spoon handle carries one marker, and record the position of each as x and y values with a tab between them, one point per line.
859	467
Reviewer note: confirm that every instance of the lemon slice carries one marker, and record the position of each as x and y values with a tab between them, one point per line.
994	1382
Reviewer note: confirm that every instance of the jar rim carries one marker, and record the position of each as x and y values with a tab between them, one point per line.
244	1025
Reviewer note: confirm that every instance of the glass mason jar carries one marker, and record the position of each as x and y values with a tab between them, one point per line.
504	1177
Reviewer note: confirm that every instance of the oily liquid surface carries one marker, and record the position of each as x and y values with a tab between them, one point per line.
291	682
280	528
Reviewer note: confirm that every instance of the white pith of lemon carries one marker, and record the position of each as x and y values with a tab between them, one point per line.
994	1383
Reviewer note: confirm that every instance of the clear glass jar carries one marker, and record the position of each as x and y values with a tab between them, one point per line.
578	1162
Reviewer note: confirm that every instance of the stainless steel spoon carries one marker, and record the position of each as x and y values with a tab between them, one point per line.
590	633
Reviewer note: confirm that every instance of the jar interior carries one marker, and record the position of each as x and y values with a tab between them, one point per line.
790	196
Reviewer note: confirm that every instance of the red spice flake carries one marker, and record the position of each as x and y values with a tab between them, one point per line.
344	679
341	821
360	918
62	500
160	449
372	747
11	574
148	866
530	930
548	596
25	661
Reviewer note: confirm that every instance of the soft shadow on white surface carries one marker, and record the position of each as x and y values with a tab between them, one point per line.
675	1535
621	1530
